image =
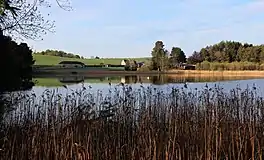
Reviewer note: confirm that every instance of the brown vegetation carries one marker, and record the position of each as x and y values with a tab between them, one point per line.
233	66
246	73
136	124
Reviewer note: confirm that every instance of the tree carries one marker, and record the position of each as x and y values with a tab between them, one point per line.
177	56
133	65
159	56
23	19
58	53
18	61
229	51
195	58
20	19
127	66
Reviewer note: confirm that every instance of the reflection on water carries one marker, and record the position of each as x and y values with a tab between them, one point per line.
153	79
72	79
104	86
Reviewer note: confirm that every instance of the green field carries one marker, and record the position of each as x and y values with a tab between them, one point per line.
54	60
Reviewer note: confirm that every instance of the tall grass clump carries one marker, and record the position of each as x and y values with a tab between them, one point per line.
224	66
134	124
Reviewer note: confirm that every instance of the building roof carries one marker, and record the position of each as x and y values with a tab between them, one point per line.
188	64
71	62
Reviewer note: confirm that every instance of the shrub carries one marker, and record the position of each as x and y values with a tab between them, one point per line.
16	65
227	66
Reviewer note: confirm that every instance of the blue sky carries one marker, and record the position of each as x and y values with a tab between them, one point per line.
129	28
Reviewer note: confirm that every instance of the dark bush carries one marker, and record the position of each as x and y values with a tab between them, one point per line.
16	65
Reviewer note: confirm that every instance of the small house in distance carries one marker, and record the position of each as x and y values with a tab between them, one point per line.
189	67
123	62
140	64
183	66
186	66
71	64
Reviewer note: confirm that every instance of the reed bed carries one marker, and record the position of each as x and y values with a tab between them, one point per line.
135	124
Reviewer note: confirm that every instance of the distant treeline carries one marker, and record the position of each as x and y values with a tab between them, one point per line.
59	54
225	55
228	52
229	55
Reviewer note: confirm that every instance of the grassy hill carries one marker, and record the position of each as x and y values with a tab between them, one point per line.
54	60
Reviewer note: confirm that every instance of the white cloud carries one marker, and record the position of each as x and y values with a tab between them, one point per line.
255	6
109	28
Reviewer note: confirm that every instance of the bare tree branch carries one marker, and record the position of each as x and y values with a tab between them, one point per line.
23	19
66	5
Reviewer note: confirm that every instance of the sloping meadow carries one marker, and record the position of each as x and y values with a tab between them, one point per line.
134	124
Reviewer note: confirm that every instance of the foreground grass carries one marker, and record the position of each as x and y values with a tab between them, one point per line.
54	60
129	124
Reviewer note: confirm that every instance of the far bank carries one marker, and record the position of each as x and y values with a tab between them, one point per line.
98	71
256	73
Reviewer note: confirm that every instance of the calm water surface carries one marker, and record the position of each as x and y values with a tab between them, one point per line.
65	85
99	88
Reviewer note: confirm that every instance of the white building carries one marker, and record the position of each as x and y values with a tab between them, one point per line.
123	62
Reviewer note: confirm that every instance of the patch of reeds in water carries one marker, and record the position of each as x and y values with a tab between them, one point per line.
129	124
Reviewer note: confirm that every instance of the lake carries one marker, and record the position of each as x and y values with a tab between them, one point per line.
134	116
96	91
161	82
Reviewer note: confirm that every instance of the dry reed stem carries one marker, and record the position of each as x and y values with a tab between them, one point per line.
180	125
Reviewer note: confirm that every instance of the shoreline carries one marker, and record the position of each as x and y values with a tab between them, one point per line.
88	72
245	73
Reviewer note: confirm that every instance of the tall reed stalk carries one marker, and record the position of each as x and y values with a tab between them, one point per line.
129	124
